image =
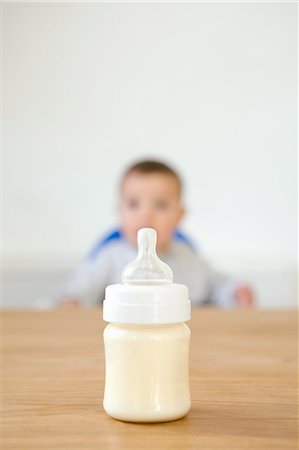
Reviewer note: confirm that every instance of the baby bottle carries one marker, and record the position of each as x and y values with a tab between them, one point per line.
147	341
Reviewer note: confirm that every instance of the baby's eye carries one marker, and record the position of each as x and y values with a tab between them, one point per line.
132	204
161	205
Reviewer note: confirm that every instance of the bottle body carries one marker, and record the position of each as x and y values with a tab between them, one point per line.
147	372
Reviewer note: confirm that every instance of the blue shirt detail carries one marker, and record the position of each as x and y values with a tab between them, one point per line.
179	236
114	236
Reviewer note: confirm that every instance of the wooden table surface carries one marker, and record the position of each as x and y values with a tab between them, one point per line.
243	384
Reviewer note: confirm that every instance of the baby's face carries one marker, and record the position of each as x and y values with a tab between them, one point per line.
150	200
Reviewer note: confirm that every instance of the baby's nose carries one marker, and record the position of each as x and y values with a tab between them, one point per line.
146	213
145	224
146	220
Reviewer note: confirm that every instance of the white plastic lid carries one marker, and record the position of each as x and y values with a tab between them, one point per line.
147	294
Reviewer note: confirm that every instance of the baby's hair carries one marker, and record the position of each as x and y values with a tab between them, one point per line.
151	166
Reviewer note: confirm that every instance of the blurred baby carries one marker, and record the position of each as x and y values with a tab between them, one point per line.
151	196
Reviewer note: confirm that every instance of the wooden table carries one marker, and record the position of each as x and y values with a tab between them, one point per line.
243	384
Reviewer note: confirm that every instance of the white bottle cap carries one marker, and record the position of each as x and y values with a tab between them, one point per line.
147	294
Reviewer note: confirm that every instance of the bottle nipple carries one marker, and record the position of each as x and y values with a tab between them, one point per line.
147	267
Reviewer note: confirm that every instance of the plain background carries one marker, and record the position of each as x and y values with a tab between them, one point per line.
89	88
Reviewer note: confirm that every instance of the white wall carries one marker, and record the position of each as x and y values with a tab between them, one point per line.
212	88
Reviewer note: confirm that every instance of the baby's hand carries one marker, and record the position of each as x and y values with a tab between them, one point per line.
244	297
68	303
